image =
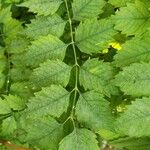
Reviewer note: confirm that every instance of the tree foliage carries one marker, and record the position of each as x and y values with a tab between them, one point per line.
74	73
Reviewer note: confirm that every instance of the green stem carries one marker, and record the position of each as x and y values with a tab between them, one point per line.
76	65
8	74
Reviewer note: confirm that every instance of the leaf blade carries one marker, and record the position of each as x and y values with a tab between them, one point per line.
79	139
93	36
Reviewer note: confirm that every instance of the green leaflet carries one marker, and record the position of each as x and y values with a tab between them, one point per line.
134	80
21	89
5	109
108	10
132	143
44	132
135	118
11	26
120	3
51	72
11	102
15	102
43	26
93	36
5	15
79	139
93	111
19	74
52	100
12	1
44	7
18	45
8	128
46	47
109	134
86	9
96	75
133	19
133	51
11	29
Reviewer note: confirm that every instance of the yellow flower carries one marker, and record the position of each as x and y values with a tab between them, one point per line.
115	45
121	108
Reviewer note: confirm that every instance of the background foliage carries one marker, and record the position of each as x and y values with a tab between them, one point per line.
75	74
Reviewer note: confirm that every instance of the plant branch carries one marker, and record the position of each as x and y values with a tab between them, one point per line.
76	65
